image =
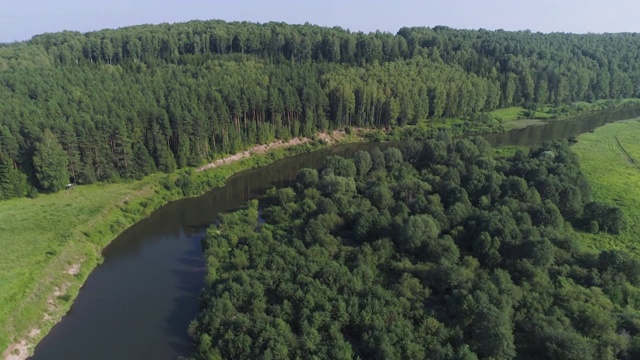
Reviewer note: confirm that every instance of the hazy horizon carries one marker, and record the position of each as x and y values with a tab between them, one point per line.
20	21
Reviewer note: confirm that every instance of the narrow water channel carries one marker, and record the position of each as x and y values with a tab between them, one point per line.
139	302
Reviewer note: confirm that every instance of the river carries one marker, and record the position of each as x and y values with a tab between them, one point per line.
138	303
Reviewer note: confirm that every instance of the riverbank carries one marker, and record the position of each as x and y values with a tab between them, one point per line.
519	117
500	120
51	244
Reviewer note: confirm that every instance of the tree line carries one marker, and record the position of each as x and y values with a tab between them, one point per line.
434	251
125	103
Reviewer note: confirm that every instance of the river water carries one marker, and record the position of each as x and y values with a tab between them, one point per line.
138	303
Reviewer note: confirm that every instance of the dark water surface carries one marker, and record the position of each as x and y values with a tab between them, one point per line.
560	129
139	302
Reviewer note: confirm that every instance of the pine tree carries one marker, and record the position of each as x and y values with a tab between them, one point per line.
5	179
142	161
51	163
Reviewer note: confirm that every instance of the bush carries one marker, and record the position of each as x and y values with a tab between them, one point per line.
32	193
167	183
607	218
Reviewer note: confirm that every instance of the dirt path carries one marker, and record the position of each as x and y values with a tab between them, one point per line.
626	154
260	149
19	351
331	138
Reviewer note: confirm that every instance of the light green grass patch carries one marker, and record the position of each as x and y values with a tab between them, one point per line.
508	114
506	151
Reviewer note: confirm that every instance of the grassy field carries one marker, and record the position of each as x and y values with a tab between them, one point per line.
49	245
610	157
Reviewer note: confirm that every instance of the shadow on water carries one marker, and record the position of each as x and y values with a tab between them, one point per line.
138	304
189	282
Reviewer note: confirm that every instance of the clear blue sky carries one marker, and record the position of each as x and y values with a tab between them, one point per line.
21	19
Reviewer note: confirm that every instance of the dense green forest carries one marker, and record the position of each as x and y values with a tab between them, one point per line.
120	104
437	251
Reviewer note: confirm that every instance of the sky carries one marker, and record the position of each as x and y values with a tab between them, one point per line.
21	19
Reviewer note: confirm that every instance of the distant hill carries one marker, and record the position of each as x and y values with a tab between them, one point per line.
119	104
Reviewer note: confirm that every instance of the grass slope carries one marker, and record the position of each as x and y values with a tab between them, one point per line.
610	158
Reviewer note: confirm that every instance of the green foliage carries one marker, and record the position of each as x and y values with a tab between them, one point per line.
417	232
308	178
12	182
50	163
606	218
340	166
142	162
363	163
190	92
445	259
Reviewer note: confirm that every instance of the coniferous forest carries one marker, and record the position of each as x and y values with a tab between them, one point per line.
438	251
119	104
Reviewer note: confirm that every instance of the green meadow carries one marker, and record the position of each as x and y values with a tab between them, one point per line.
610	159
